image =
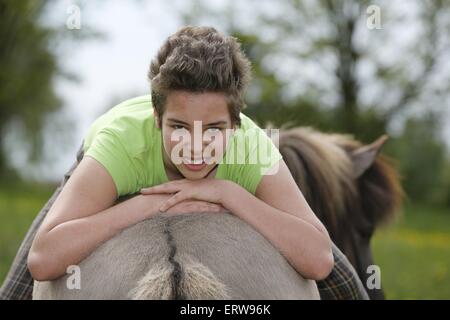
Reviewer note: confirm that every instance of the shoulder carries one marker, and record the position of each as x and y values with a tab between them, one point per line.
250	155
257	138
130	123
120	139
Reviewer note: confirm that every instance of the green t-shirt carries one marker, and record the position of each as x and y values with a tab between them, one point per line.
127	142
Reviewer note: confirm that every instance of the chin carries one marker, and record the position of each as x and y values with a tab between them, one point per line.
194	177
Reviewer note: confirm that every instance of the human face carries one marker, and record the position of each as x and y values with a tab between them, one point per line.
181	110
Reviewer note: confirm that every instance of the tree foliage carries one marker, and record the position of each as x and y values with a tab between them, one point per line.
30	54
27	70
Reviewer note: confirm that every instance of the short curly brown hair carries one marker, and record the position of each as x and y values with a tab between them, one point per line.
200	59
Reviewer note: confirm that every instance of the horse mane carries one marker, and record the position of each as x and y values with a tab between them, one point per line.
322	167
379	186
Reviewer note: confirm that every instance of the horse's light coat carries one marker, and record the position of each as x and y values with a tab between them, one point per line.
220	257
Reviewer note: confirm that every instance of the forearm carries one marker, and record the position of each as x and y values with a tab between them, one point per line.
306	248
70	242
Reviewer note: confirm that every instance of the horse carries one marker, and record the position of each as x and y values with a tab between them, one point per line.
351	187
218	256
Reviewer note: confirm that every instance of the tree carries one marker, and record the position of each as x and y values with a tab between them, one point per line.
29	67
424	165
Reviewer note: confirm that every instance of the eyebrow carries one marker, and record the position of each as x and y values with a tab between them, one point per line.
209	124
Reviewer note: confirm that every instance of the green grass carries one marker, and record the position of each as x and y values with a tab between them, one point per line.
413	254
18	207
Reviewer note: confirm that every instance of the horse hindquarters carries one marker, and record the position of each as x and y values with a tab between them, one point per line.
197	256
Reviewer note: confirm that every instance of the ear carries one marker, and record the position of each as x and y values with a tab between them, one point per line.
365	156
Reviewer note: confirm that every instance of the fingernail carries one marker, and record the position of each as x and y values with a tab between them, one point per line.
162	209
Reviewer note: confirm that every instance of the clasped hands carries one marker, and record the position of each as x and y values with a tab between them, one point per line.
204	195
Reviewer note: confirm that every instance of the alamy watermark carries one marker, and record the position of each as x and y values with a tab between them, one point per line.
373	20
73	21
73	281
374	280
251	146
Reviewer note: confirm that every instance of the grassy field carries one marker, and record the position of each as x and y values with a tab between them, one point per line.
18	207
413	254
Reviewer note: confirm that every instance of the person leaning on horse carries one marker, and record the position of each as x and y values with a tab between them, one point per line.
197	75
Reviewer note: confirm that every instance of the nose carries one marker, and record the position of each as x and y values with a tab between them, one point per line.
197	153
196	148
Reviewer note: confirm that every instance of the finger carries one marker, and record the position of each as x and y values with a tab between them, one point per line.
215	209
168	187
176	198
207	208
162	188
221	210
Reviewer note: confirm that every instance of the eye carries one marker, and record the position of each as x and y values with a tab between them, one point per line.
177	126
214	129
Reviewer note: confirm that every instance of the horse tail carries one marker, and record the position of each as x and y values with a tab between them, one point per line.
187	279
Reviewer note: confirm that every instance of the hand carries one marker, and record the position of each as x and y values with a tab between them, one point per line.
210	190
195	206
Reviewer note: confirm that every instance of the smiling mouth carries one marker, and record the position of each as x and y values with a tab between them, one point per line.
195	161
195	167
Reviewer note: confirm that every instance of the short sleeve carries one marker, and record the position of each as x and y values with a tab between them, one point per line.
267	163
107	149
261	158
